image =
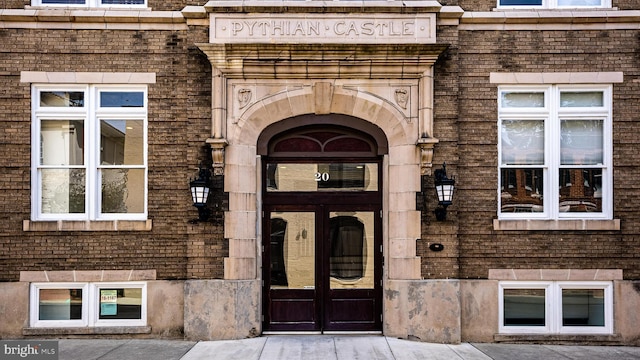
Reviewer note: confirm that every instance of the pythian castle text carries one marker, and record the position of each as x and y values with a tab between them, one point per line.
346	28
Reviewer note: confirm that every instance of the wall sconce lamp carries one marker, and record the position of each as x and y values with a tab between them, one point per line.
444	190
200	189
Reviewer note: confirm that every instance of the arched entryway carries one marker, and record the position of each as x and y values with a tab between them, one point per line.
322	224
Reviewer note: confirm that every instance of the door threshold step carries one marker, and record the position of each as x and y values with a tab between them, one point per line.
292	333
267	333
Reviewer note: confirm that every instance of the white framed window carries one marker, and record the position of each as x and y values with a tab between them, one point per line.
59	305
89	153
553	4
91	3
555	152
88	304
555	307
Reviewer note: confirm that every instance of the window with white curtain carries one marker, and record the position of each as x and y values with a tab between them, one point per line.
555	152
89	152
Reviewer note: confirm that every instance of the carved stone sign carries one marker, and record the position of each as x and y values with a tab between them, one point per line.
309	28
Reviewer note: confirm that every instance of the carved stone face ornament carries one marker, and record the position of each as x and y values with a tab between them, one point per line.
244	97
402	98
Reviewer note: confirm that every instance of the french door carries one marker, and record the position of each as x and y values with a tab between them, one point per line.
323	267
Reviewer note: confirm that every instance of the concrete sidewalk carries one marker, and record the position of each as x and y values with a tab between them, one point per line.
328	347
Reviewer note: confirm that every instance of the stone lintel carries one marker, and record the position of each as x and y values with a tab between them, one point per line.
88	275
508	78
303	61
75	77
555	274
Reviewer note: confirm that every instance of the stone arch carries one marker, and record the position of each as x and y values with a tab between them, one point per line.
242	169
287	104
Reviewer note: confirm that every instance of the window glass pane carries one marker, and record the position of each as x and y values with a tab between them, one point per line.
582	98
121	142
63	191
524	307
123	190
351	262
60	304
342	176
297	233
63	2
521	190
322	177
582	307
580	190
121	99
582	142
521	2
276	256
522	99
522	142
579	3
62	98
122	2
120	303
62	142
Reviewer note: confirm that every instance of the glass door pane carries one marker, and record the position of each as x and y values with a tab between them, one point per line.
292	257
351	253
322	177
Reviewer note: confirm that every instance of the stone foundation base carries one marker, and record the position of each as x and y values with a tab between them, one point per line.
222	309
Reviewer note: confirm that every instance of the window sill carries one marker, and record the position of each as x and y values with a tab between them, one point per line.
555	225
106	330
82	225
608	339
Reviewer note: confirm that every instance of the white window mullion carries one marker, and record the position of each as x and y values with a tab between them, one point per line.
555	308
553	154
93	153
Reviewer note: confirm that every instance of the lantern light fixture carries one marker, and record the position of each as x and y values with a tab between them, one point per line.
200	189
444	189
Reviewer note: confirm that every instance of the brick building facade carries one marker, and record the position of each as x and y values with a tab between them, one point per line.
517	97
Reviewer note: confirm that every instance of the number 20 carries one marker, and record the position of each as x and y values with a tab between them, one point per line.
322	176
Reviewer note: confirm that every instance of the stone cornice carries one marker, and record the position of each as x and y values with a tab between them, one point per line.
92	19
349	7
550	20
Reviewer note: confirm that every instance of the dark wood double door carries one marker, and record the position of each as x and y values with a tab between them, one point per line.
322	262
